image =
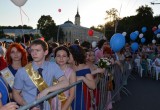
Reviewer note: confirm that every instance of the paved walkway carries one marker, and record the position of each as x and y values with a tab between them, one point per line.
145	95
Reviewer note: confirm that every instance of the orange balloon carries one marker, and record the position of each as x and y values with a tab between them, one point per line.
90	32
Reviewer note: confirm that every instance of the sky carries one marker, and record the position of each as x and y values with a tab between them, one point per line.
92	12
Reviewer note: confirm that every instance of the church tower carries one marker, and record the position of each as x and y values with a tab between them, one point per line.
77	18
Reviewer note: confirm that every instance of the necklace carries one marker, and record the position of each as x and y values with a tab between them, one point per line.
64	70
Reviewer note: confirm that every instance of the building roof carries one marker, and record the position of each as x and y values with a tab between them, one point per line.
68	22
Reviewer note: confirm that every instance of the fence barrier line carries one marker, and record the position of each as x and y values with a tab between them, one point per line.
103	93
119	89
34	103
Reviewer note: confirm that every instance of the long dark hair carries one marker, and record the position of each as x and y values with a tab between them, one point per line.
78	54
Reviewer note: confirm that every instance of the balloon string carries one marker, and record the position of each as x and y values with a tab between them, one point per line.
22	23
25	14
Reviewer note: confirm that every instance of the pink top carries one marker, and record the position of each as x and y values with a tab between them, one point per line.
67	73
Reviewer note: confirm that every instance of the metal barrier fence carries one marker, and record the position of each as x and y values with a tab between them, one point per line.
98	98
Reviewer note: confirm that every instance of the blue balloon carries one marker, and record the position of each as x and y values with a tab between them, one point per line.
143	40
137	32
134	46
144	29
156	32
133	36
117	42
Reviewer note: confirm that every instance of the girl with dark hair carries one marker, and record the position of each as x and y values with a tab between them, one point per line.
78	62
99	52
61	57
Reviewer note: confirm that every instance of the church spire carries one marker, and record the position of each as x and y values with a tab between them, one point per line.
77	15
77	18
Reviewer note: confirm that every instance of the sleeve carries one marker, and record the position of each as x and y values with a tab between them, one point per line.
18	81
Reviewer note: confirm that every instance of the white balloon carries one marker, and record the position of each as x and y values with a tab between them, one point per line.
153	41
19	2
124	34
159	26
94	44
141	35
158	35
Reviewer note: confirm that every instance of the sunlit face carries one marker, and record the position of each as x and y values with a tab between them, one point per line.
37	53
15	54
92	57
61	57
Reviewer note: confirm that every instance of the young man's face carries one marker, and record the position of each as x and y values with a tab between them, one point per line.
37	53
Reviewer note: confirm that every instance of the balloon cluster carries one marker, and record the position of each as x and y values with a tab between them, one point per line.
156	31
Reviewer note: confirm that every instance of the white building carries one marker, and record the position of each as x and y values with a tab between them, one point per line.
76	31
20	32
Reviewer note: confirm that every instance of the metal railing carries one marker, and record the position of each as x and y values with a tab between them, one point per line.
98	98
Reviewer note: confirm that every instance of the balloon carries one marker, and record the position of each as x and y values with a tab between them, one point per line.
124	34
137	33
144	29
159	26
94	44
59	10
117	42
154	28
156	32
134	46
90	32
19	3
158	35
133	36
141	35
153	41
143	40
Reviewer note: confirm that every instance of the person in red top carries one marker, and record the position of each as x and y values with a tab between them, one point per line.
3	63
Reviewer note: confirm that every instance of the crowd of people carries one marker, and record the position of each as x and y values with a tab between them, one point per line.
31	70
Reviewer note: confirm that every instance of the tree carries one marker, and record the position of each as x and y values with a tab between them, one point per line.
144	15
111	14
47	27
1	33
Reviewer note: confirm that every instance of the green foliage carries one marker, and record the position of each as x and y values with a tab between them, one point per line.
16	27
1	33
47	27
144	17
